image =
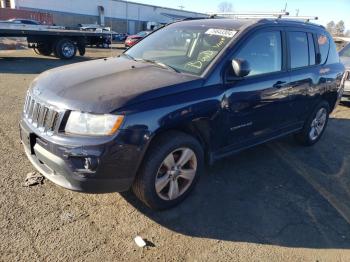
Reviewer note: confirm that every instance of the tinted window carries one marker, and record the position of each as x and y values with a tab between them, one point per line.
333	56
312	53
299	49
323	43
263	52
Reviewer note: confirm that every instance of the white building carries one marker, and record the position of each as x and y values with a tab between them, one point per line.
121	15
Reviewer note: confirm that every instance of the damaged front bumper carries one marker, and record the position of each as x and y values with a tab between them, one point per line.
96	165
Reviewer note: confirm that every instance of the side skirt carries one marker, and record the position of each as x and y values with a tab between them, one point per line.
234	149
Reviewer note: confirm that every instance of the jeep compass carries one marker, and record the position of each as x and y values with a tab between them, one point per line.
187	94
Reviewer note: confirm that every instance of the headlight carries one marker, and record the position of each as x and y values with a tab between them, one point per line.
93	124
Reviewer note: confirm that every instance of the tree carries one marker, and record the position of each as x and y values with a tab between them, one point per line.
331	27
225	7
340	28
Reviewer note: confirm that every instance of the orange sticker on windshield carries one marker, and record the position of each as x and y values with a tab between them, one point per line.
322	40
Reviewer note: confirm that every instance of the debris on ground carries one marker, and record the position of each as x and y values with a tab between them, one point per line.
67	217
33	178
139	241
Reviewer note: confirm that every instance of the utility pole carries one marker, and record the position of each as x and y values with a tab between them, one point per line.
126	16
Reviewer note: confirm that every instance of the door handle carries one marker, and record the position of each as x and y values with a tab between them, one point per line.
279	84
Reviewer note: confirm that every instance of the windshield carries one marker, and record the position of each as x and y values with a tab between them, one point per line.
184	48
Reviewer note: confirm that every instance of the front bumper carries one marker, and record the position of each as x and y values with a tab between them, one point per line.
63	160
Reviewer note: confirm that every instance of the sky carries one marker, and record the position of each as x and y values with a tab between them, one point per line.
326	10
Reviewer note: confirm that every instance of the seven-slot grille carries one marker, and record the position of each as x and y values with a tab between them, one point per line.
39	115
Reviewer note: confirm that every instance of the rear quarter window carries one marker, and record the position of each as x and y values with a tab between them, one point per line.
333	56
323	43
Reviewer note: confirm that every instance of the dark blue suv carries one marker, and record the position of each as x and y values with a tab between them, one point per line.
189	93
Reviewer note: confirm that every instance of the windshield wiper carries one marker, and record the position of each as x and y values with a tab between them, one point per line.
160	64
128	56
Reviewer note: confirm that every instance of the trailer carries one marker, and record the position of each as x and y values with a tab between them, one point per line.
46	40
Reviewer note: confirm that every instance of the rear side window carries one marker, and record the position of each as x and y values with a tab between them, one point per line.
323	43
263	52
299	49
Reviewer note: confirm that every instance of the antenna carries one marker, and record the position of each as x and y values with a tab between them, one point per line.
285	7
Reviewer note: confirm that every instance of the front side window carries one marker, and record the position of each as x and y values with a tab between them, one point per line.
299	49
263	52
185	48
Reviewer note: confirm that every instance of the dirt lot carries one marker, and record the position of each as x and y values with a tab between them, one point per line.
276	202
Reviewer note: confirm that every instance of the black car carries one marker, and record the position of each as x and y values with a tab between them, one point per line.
188	94
24	21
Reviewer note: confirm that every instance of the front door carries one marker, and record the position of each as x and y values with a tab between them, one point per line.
258	106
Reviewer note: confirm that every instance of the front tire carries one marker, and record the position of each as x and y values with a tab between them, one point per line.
315	125
169	171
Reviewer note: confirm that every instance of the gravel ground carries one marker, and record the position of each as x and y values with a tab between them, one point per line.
276	202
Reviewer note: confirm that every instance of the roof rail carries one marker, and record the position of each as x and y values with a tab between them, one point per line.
250	15
305	18
257	15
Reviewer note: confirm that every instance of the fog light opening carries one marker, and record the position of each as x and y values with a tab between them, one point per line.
90	164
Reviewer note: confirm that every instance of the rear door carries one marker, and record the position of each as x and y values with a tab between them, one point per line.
304	71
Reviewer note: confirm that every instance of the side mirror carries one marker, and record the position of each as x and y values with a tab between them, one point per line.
240	67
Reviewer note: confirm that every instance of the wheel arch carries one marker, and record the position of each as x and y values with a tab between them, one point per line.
198	129
331	99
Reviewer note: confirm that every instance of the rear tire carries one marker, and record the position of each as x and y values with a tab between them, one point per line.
315	125
82	50
44	50
65	49
169	170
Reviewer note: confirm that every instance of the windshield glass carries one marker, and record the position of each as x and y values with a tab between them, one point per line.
184	48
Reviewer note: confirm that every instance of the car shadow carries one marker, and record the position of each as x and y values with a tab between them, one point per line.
279	193
35	65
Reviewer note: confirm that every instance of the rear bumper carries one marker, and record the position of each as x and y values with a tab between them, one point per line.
63	162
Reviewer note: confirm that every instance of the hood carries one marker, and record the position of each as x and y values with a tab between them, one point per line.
105	85
134	37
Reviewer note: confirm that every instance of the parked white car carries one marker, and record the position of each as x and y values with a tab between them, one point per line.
345	58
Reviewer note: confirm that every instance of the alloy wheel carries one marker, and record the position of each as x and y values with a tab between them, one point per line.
176	174
318	124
